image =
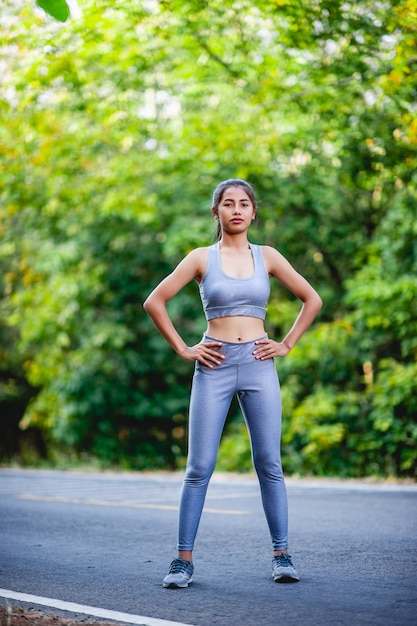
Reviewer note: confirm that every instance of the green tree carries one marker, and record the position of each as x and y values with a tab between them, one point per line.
118	124
57	8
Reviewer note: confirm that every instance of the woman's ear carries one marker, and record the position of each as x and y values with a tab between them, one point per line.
215	213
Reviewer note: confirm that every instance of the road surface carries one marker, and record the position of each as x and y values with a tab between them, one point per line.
106	540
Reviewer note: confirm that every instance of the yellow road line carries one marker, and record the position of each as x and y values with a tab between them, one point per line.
132	505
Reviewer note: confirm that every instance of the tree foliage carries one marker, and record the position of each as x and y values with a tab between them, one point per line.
117	126
57	8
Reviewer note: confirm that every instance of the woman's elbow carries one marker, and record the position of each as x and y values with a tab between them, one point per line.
318	302
147	305
153	305
314	302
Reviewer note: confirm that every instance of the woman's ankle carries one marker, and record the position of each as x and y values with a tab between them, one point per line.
186	555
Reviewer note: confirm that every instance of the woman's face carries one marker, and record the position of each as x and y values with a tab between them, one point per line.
235	211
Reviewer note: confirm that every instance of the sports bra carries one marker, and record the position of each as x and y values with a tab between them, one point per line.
225	296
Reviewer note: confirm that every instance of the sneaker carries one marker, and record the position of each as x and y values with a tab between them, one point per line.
180	574
283	571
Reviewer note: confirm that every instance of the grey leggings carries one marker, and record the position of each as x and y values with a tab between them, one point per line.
256	385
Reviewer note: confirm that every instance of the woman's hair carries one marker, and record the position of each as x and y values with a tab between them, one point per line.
221	188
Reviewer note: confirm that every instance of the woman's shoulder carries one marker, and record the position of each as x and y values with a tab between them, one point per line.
199	253
272	258
269	251
198	258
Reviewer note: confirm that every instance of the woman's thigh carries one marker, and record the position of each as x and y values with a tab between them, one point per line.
260	400
211	394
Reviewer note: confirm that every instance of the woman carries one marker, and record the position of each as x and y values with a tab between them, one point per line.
235	356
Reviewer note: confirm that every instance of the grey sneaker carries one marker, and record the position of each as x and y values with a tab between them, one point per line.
283	571
180	574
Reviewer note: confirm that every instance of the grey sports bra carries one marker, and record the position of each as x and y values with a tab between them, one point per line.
224	296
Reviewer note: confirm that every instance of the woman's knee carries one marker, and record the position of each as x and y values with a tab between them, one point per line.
199	472
267	467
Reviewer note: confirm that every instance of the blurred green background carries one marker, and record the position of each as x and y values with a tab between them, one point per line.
116	124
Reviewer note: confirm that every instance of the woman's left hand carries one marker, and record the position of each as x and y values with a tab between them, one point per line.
268	349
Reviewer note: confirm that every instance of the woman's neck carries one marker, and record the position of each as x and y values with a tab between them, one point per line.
238	242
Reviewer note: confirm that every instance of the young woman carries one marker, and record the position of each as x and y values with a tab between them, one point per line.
235	356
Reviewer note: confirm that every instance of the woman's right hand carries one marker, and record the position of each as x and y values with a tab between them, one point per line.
207	353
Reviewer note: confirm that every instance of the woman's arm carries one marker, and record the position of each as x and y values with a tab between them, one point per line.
278	267
192	267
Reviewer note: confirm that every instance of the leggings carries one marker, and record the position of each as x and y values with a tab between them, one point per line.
257	387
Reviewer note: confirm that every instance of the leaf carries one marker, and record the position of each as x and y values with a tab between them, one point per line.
57	8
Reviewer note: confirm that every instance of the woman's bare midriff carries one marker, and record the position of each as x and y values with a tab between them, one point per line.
237	329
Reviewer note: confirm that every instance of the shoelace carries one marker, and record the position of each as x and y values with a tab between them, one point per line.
177	566
284	560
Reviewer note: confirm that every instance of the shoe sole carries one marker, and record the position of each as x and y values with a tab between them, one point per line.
176	585
285	579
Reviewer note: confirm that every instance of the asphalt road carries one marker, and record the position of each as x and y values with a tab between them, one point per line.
106	540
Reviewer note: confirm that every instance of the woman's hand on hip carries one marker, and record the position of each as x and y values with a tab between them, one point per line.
207	353
268	349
